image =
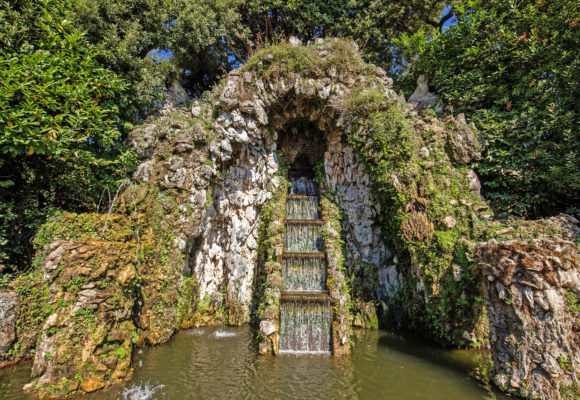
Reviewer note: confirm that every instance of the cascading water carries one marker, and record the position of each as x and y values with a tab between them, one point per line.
305	207
303	237
305	308
304	274
303	186
305	327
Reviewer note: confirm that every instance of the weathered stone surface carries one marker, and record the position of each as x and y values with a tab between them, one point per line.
9	305
94	318
449	222
267	328
532	290
462	143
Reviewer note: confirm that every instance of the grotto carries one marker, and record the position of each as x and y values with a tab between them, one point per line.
306	198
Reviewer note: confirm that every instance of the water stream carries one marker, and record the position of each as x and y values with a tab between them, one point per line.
304	274
303	237
302	208
222	363
305	327
303	186
305	319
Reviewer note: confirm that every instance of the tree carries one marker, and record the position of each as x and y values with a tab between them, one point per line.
513	68
58	138
373	24
146	42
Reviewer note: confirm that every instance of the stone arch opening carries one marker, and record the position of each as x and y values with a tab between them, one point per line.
263	118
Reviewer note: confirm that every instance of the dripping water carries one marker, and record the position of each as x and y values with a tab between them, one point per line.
305	208
304	186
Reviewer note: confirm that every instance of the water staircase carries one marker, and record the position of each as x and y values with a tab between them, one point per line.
305	305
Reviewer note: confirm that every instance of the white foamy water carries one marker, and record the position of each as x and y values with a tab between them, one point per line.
196	332
221	334
142	391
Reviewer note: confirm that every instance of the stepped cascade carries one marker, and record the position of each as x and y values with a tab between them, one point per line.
306	307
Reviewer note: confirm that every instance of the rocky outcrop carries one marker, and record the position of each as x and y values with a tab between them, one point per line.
462	144
533	290
9	306
90	329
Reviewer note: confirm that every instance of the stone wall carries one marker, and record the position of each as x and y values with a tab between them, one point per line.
533	290
347	177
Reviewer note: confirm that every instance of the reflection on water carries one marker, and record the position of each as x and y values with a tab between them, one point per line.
222	363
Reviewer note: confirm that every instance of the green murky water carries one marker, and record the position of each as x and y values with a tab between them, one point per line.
222	363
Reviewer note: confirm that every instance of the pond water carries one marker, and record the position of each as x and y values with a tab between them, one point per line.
222	363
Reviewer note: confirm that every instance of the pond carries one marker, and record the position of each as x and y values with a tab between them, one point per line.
222	363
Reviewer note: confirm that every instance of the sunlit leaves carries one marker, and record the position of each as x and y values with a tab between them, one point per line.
513	67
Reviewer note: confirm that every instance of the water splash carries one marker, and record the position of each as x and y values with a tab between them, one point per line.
303	238
142	391
306	208
304	274
305	327
222	334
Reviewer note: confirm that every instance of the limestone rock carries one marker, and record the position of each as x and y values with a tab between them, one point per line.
267	328
473	181
9	306
462	143
449	222
534	327
176	95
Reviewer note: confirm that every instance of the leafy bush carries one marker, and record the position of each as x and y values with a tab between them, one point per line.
59	143
513	68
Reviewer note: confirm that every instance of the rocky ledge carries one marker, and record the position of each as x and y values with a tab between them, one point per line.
532	289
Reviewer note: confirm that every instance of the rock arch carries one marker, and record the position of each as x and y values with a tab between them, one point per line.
255	126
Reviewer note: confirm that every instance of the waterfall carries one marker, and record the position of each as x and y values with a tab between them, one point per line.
304	274
302	237
305	327
303	186
305	307
302	208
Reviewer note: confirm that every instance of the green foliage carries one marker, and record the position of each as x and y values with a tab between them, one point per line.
573	301
407	186
55	96
270	237
150	42
319	173
284	58
374	25
570	392
59	143
512	67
